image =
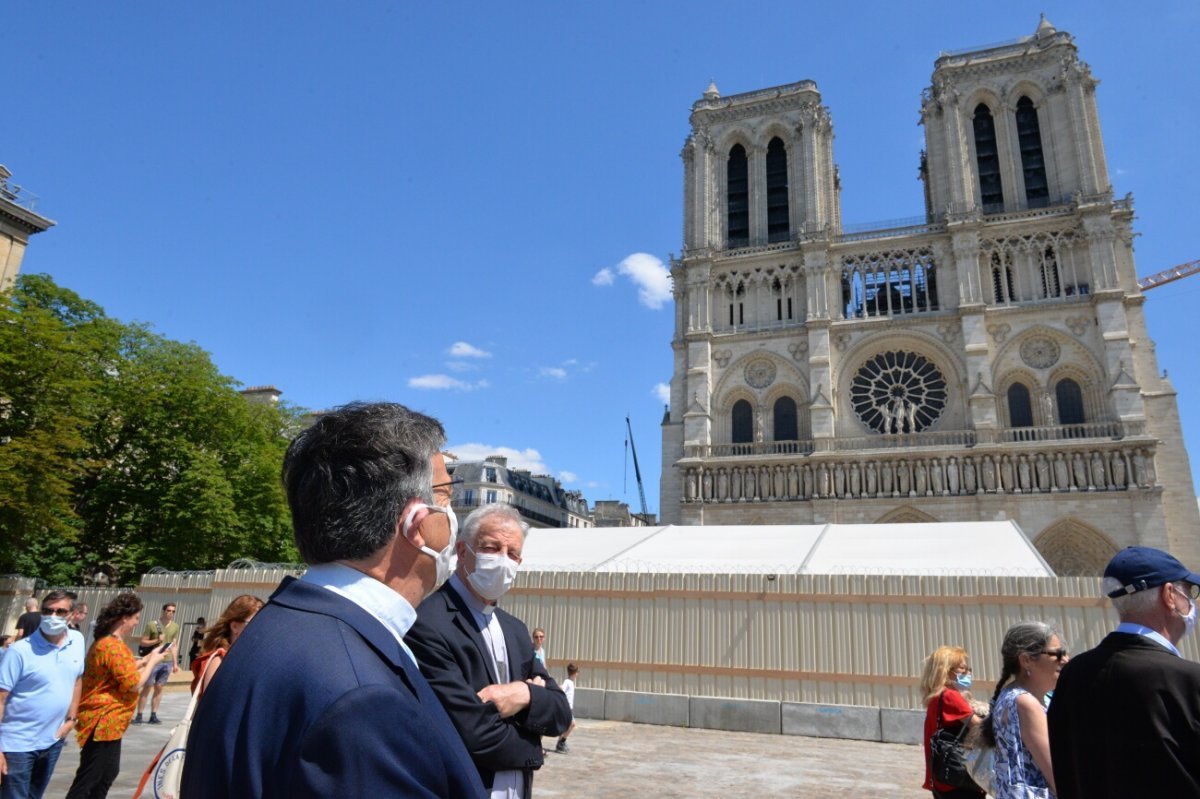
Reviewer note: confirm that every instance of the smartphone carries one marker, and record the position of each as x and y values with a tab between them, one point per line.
166	646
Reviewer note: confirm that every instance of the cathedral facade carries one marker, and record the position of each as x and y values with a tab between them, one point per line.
987	361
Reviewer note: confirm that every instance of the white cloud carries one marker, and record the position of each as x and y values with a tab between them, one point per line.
460	366
568	477
529	459
663	392
444	383
592	484
461	349
647	273
556	372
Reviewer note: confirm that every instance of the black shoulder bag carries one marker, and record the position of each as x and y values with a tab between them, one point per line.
947	758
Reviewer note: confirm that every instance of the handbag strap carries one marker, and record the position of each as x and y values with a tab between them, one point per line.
191	708
962	730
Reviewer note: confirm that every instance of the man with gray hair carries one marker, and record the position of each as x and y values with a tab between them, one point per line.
479	659
1125	717
321	697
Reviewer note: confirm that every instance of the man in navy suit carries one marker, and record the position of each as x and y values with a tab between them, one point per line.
479	659
321	696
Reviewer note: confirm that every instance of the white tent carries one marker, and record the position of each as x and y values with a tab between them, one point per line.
948	548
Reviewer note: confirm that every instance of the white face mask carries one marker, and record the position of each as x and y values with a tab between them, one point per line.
1189	621
53	625
494	574
445	559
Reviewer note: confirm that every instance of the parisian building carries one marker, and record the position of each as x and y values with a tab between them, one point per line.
989	360
540	499
18	221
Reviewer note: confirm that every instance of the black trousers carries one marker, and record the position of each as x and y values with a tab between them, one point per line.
99	765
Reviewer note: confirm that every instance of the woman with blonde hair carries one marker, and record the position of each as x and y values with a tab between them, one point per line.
220	636
945	677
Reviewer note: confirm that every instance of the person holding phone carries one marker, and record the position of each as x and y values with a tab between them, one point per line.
162	634
112	679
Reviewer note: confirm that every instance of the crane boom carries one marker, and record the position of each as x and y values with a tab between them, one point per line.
1169	275
637	472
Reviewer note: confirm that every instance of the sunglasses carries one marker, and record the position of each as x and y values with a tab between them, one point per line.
1058	654
62	613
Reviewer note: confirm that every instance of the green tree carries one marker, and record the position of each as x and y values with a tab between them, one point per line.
124	449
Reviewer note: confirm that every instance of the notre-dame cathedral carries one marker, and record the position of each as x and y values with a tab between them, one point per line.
987	361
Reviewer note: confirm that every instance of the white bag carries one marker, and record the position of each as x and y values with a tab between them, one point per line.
981	765
165	774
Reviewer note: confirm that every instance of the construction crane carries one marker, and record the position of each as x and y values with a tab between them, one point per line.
1169	275
637	472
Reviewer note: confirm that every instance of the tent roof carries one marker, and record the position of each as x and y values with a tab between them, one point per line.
944	548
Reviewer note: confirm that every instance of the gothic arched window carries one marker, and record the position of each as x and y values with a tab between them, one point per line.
778	221
1020	409
743	422
1029	139
1069	399
987	158
786	428
737	192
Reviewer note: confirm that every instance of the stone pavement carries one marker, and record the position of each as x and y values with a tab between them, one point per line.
612	758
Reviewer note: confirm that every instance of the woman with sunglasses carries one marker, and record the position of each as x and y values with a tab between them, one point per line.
1033	655
945	680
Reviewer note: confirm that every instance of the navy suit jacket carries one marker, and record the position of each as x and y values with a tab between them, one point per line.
454	657
318	698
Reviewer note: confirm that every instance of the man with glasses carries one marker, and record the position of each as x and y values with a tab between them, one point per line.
40	681
479	659
1125	717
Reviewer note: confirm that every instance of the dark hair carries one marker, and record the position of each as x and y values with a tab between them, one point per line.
1024	637
572	669
170	605
58	595
121	607
220	634
349	475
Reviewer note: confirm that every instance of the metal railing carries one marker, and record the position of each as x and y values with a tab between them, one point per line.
1111	430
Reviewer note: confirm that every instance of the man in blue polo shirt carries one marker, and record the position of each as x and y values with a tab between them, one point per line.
40	684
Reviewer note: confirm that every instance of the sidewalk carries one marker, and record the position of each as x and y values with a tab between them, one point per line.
612	758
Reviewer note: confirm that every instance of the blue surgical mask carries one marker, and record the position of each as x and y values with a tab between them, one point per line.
963	681
53	626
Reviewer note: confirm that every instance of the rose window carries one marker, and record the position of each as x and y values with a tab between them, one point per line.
898	392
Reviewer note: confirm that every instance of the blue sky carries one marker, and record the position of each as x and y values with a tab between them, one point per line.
412	201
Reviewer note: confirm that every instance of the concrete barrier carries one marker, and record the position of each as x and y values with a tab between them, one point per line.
736	715
670	709
831	721
589	703
902	726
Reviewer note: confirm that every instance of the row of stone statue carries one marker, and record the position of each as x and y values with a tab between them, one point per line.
1110	470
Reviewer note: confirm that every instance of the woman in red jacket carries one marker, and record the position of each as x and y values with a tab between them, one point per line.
944	680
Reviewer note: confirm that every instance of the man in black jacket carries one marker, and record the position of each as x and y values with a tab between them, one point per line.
1125	718
479	659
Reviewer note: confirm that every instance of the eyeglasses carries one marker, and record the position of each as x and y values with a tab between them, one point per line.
62	613
963	670
1191	590
1058	654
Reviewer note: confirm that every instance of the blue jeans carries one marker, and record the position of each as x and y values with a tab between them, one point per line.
29	772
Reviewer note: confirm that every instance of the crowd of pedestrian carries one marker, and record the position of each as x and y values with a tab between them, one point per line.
1120	720
390	668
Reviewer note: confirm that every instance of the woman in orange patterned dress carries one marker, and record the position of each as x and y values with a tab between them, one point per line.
112	678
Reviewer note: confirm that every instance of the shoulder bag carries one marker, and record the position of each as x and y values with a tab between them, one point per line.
947	758
165	773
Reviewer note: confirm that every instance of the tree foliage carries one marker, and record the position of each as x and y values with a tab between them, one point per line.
121	449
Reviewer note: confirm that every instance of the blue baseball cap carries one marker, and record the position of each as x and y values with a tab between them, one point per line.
1139	568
